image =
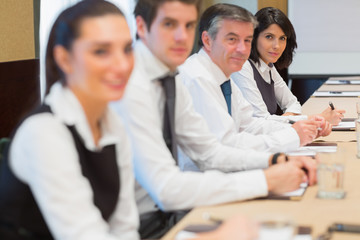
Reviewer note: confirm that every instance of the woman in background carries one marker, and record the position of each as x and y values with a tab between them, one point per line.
273	48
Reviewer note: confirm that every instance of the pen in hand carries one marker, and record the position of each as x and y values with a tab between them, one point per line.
207	216
331	105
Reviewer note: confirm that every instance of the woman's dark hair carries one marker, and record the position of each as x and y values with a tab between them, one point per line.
147	9
67	28
265	18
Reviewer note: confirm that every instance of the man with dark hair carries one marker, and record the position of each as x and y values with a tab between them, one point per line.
159	114
225	33
147	9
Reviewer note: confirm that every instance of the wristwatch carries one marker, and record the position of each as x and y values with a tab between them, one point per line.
276	156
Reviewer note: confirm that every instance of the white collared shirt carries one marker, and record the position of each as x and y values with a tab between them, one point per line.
155	169
245	81
203	78
44	156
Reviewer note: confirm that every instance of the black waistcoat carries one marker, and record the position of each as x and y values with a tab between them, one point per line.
267	91
19	212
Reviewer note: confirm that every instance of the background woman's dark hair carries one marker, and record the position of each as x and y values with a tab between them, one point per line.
147	9
67	28
265	18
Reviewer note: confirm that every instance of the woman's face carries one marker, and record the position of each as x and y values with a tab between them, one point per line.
101	59
271	43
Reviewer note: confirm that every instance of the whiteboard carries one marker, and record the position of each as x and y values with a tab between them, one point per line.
328	37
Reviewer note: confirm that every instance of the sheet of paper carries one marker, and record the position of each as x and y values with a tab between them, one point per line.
298	192
336	94
311	150
302	152
318	148
185	234
303	237
345	125
341	82
348	78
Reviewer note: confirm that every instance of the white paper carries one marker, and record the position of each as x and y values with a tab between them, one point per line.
347	125
298	192
319	148
342	82
303	237
311	150
336	94
302	152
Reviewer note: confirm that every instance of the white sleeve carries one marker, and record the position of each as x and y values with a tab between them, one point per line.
244	79
284	97
44	156
240	130
156	171
125	220
202	146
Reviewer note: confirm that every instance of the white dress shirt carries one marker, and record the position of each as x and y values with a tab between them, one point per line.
203	78
44	156
155	169
244	79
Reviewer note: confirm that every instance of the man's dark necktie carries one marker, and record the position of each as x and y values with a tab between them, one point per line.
226	90
169	135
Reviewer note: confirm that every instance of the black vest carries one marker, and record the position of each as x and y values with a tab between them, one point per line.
20	217
267	91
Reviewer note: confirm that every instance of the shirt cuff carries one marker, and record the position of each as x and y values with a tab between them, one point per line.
256	185
259	160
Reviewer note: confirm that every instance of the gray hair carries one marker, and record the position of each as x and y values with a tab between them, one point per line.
212	18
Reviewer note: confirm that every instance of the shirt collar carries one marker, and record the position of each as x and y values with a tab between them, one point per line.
213	68
144	56
263	67
65	105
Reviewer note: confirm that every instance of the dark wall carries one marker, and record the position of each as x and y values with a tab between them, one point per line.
304	88
20	92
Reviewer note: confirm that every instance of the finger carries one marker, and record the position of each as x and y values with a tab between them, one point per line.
311	175
340	111
319	118
297	161
310	169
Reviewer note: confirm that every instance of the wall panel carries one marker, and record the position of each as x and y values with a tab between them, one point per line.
280	4
17	30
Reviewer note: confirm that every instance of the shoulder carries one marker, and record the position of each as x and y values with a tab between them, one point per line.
38	141
276	75
246	72
40	124
123	144
194	70
193	65
245	76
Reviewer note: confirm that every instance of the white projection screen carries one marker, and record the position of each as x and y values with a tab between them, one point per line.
328	37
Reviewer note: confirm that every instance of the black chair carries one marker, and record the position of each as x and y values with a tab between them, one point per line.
3	144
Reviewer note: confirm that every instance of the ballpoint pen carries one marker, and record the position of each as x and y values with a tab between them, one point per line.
332	106
207	216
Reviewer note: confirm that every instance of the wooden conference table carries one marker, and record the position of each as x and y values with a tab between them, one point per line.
319	214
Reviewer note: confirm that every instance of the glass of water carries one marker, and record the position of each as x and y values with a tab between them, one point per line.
330	174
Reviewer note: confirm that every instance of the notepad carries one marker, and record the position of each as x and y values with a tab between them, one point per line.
342	82
336	94
293	195
190	231
345	126
312	148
